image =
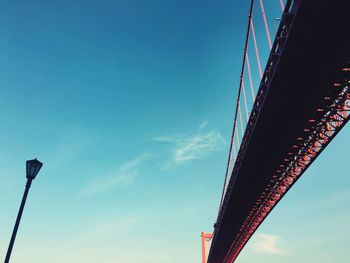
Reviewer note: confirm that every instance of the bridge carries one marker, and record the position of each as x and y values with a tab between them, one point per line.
303	101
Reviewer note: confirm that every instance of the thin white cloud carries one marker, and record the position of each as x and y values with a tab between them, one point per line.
197	146
123	176
203	125
265	243
192	146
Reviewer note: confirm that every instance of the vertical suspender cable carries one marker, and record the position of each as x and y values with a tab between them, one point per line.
225	185
282	5
238	139
265	22
256	49
238	96
250	79
241	120
245	102
232	160
234	151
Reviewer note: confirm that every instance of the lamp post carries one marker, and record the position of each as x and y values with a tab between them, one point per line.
32	169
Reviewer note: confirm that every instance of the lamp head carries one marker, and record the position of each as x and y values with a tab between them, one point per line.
33	168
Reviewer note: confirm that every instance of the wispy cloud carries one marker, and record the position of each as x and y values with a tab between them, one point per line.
197	146
266	243
193	146
203	125
123	176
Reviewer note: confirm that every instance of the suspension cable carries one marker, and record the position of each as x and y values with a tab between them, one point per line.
245	102
234	151
238	139
265	22
250	79
256	49
238	97
282	5
241	119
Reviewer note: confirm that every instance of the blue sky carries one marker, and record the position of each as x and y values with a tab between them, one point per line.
129	104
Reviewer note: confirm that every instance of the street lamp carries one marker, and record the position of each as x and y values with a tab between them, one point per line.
32	169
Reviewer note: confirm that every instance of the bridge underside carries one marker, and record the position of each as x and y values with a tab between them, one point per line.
303	101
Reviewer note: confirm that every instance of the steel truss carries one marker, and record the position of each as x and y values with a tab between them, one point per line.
285	26
329	118
318	133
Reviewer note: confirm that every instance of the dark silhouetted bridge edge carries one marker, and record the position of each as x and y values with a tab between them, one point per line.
334	114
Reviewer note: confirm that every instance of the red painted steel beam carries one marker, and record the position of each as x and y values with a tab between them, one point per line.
301	105
317	135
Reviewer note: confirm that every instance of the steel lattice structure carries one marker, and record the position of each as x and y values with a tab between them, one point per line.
323	111
316	136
